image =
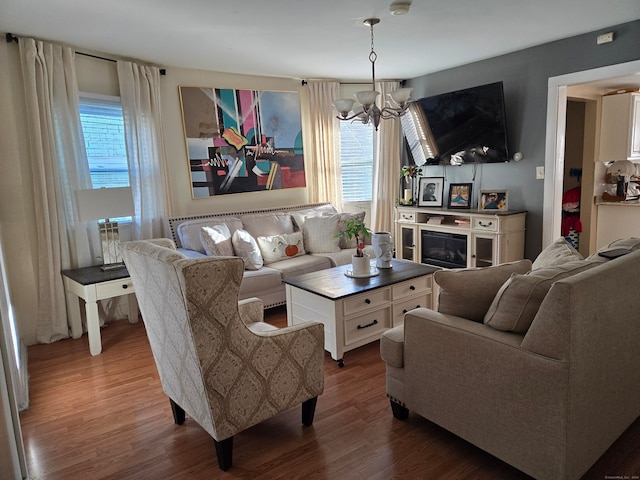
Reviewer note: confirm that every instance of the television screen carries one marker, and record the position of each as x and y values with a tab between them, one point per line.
465	126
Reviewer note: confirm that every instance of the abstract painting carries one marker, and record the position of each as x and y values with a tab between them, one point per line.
242	140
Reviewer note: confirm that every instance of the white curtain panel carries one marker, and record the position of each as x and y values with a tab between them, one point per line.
323	172
386	166
140	97
59	167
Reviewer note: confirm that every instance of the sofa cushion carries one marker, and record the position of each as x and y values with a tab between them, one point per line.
518	300
468	292
216	240
300	216
256	281
292	267
320	234
246	247
189	232
267	224
557	253
343	257
344	241
279	247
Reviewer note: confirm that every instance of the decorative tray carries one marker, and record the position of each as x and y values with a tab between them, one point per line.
372	273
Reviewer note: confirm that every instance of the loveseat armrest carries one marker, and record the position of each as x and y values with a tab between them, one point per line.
251	310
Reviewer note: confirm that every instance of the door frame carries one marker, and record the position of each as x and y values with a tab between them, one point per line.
555	138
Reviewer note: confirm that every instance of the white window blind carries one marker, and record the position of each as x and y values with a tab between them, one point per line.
356	158
103	129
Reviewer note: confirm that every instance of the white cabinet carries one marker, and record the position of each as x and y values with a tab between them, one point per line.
620	127
455	238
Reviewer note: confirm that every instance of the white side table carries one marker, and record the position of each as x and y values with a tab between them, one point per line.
93	284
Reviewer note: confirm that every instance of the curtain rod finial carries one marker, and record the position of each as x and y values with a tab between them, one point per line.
11	38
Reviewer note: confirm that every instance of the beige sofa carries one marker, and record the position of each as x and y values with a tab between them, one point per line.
551	384
272	229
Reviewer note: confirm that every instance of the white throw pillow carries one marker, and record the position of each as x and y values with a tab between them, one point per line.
320	234
216	240
279	247
300	216
246	247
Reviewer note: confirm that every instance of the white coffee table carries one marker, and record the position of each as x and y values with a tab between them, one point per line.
357	311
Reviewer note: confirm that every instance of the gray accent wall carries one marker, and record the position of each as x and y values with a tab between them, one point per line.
525	76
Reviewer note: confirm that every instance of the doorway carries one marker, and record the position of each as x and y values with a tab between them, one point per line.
599	80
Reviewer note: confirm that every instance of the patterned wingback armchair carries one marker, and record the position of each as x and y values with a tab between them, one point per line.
217	360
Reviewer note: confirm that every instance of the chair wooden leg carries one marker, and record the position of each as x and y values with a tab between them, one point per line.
399	411
308	411
178	413
224	452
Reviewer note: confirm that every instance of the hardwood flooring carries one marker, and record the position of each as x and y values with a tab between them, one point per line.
106	417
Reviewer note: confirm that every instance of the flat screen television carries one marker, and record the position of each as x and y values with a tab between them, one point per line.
465	126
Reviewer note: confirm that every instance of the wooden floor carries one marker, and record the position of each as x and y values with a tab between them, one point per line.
106	417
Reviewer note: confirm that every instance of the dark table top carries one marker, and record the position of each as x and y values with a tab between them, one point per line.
333	284
95	274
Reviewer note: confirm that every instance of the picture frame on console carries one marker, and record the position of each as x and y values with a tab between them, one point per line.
459	195
430	190
493	200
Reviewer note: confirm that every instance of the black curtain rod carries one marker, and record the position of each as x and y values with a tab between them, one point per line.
402	83
163	71
12	38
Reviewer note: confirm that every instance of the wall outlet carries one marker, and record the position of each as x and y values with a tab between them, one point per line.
539	173
605	38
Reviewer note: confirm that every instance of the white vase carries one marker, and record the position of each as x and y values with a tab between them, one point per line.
382	243
361	265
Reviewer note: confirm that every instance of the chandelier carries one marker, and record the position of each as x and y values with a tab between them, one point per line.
368	111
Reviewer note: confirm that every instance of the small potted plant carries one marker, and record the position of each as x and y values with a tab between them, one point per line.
409	173
354	227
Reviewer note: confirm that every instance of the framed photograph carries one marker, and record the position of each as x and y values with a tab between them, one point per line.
459	195
430	191
493	200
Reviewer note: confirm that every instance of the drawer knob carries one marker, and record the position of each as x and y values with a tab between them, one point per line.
412	287
360	327
405	310
367	301
125	286
484	224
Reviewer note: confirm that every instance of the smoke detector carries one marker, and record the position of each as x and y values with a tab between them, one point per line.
399	8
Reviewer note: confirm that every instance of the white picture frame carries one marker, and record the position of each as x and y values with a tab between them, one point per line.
430	190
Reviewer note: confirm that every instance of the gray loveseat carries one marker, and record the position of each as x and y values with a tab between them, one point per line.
317	246
551	384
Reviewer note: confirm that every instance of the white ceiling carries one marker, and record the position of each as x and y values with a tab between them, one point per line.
309	39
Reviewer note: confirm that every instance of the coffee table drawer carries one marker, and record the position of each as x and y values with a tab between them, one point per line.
412	287
367	325
367	301
399	309
114	288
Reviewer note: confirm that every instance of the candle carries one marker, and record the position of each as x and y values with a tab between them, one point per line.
407	194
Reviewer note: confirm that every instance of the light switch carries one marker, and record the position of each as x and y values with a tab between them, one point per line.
539	173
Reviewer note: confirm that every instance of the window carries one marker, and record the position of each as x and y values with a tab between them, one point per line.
356	157
103	129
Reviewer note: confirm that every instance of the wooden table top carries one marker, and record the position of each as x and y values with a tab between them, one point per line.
95	274
332	283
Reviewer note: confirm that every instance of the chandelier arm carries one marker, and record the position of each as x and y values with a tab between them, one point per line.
339	117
